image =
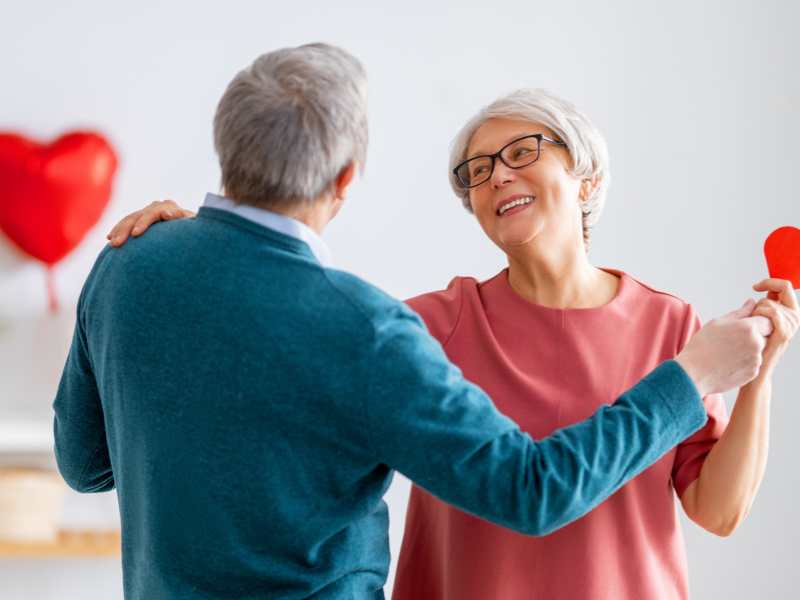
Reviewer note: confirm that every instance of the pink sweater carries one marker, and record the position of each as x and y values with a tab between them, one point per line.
548	368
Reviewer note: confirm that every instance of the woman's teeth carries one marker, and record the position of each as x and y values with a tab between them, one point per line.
513	203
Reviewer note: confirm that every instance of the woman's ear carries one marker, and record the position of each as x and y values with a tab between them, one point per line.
588	188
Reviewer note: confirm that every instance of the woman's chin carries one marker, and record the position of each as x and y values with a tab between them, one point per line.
517	236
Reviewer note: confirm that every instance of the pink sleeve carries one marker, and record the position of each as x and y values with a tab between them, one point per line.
692	452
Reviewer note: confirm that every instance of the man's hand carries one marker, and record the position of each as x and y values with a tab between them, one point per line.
727	352
137	222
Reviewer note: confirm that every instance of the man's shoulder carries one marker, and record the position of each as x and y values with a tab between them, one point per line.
371	302
161	239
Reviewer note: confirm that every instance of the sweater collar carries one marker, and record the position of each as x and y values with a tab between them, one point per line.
277	222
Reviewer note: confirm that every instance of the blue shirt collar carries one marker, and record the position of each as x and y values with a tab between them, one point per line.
280	223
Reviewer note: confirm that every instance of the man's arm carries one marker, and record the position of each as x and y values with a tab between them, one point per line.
79	429
445	434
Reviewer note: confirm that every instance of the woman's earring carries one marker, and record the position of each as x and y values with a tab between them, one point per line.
584	197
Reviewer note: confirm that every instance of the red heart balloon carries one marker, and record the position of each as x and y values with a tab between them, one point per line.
52	194
782	250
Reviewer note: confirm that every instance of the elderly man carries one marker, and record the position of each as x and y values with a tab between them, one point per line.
250	404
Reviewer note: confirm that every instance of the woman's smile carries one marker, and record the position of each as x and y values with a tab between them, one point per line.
516	205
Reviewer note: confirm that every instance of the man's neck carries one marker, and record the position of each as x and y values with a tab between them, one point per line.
316	215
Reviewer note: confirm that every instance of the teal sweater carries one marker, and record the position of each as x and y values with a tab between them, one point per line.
250	407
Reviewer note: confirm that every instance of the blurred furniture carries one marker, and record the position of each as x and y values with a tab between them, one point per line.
24	491
68	544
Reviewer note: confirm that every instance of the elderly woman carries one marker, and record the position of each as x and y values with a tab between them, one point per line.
534	171
568	337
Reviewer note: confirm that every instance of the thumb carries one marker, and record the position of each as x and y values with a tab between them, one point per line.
743	311
763	324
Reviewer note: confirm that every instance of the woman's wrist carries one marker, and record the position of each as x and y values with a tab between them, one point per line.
763	379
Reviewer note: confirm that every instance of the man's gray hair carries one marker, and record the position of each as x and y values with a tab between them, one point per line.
289	123
585	143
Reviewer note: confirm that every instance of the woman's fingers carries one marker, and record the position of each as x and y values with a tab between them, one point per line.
137	222
162	211
772	311
778	289
786	302
785	320
780	307
120	232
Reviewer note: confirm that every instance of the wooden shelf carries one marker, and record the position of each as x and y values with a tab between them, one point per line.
69	544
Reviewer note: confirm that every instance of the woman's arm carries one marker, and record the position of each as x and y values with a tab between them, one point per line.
720	498
722	495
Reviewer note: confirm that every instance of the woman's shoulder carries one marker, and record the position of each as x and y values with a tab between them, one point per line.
665	308
655	295
441	309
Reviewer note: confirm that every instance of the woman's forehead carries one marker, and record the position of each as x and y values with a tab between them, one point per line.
495	133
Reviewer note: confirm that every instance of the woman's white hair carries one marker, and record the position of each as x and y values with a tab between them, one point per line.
585	143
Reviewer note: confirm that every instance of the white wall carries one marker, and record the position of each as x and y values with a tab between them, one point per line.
698	102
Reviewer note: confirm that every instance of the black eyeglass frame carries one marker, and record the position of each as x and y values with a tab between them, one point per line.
499	154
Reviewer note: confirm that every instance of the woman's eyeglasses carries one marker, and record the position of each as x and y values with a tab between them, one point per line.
516	154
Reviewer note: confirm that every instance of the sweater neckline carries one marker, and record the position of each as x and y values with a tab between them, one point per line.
287	242
500	288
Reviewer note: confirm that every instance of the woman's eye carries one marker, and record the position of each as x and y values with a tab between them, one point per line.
520	152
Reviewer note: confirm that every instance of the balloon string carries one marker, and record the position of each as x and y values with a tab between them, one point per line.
51	290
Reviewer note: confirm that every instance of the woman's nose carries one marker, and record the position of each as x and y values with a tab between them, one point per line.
502	175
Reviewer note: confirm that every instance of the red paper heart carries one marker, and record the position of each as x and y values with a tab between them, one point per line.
782	250
52	194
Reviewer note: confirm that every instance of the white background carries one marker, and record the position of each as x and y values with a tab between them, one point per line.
698	102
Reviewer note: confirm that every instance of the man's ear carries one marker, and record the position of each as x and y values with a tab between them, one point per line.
344	179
